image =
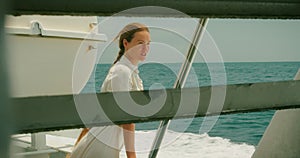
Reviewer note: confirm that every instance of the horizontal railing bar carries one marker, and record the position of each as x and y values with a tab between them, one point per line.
284	9
47	113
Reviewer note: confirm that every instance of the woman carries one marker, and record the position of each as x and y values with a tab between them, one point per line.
107	141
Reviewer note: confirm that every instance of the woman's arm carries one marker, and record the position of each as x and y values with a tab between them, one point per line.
128	133
82	134
120	81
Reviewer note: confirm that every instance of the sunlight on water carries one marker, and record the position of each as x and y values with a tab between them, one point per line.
195	146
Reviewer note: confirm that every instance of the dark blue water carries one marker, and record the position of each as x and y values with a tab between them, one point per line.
242	127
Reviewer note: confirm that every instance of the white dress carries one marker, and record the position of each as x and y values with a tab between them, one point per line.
107	141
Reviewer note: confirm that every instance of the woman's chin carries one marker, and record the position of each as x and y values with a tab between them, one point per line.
143	58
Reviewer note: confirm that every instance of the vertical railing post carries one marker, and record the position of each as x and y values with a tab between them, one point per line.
38	141
184	71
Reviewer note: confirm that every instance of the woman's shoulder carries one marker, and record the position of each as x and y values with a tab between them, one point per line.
120	69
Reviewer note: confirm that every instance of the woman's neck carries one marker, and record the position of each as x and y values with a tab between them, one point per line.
133	62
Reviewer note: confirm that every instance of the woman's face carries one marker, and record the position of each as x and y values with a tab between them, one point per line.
137	49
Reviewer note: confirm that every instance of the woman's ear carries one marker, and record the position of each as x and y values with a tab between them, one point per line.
125	43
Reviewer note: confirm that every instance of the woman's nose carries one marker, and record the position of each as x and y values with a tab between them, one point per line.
145	47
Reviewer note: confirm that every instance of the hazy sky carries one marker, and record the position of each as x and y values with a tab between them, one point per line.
238	40
257	40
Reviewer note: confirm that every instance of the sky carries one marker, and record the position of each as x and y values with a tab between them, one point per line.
257	40
227	40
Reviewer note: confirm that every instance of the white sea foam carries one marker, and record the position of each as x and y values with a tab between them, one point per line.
188	145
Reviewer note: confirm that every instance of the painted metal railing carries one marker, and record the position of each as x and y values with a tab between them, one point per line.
180	81
286	9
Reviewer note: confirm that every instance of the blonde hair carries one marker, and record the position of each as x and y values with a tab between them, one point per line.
128	33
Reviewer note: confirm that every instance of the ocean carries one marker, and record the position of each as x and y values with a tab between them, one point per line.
234	135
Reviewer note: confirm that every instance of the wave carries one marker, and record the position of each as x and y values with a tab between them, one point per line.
190	145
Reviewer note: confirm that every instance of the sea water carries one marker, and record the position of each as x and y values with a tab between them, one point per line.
234	135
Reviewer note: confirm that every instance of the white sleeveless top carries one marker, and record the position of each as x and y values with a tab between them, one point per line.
107	141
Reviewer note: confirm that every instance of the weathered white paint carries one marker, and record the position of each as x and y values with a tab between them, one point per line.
54	26
58	141
41	65
282	137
